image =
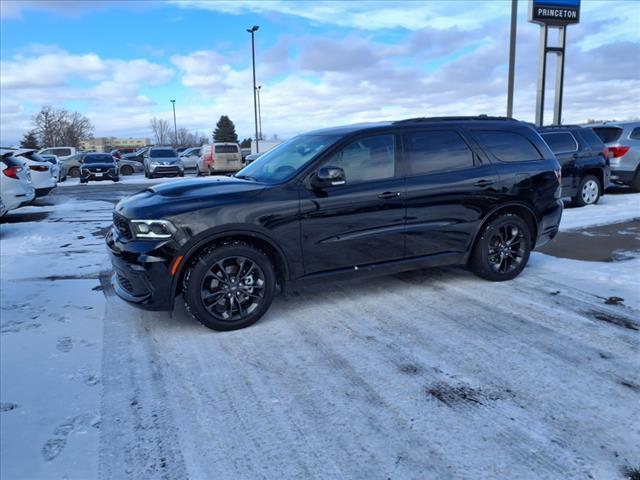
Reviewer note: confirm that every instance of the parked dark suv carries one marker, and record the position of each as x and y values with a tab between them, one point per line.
99	166
359	199
584	160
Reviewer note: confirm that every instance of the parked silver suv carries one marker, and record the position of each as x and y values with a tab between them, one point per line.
162	161
623	141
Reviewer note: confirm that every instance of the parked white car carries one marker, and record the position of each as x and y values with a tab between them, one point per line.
57	167
61	152
42	176
15	183
190	158
219	157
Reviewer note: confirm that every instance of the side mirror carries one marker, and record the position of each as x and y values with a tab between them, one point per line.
328	177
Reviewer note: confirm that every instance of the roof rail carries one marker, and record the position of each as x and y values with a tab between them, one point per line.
544	127
452	119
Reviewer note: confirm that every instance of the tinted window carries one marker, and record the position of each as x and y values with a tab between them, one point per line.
508	146
164	153
61	152
635	134
560	142
608	134
436	151
370	158
226	149
593	140
98	159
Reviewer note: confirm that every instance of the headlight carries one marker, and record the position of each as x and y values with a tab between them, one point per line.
153	229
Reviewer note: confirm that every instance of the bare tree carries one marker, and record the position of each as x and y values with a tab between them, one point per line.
57	126
160	129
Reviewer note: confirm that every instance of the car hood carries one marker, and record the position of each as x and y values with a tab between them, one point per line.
94	166
174	198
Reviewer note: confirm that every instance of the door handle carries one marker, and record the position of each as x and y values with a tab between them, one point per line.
388	195
483	183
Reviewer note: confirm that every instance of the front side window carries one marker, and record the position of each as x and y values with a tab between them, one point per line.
285	160
371	158
508	146
560	142
435	151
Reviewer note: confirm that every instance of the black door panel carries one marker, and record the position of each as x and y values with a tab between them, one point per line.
351	225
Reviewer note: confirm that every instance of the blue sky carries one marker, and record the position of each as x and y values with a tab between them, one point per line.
320	63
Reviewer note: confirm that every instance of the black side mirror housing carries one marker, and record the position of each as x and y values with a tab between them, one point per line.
328	177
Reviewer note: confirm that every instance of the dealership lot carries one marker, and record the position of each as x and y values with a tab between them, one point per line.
425	374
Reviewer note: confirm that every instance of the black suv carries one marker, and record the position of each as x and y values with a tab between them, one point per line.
99	166
364	198
584	161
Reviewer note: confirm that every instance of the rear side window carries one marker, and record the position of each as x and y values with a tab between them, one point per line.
560	142
435	151
635	134
226	149
608	134
371	158
593	140
61	152
508	146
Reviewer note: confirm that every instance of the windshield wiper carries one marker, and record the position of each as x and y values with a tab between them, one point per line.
246	177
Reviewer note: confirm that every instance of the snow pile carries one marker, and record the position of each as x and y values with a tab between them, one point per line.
612	208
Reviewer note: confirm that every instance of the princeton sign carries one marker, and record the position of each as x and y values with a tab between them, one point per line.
555	13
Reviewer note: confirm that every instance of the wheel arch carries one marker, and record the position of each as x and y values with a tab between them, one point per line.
256	239
520	209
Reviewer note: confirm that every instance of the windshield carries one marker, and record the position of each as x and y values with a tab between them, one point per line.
98	159
284	161
166	153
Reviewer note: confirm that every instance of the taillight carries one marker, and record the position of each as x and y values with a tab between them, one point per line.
619	151
12	172
210	160
39	168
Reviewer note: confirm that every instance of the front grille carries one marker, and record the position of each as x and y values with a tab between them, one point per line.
125	283
122	225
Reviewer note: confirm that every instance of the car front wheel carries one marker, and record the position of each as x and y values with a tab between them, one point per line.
589	192
229	287
502	249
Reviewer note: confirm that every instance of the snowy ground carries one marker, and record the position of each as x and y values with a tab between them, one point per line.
426	374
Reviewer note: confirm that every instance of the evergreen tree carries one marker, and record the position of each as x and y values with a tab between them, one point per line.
225	131
29	140
246	143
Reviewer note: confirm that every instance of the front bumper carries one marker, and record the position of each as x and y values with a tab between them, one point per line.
166	170
97	176
141	277
549	224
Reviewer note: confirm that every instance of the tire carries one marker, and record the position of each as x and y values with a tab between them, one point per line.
181	174
589	192
486	260
84	181
116	179
635	182
127	170
205	277
74	172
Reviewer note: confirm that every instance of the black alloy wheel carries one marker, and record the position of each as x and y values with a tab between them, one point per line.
126	170
230	286
502	249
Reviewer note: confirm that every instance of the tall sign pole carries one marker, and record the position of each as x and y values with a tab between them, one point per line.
512	56
555	14
252	31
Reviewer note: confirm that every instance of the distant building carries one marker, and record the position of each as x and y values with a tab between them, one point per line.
104	144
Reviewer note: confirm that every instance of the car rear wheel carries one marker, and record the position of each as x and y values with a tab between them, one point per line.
127	170
74	172
589	191
635	182
229	287
503	248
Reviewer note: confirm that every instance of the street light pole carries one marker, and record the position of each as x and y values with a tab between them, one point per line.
252	31
175	127
512	57
259	114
